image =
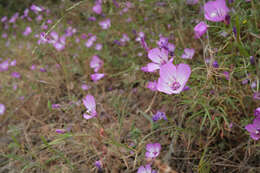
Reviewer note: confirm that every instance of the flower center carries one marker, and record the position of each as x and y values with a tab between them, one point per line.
175	85
219	12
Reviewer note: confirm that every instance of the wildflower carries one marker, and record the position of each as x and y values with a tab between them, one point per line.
13	63
98	46
253	85
163	42
173	78
97	8
57	42
159	116
97	76
90	104
33	67
90	41
215	64
125	38
254	129
14	17
159	57
27	31
252	60
96	63
4	66
4	19
98	164
256	96
146	169
55	106
152	85
257	112
60	131
226	74
2	109
215	11
200	29
85	87
152	150
105	24
188	53
36	9
16	75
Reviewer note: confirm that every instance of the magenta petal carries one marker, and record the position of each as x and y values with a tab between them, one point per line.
97	76
183	73
157	56
87	117
89	103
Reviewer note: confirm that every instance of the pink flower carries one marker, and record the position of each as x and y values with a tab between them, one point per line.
36	9
96	63
173	78
152	85
188	53
90	41
4	66
2	109
97	8
97	76
105	24
98	46
146	169
200	29
152	150
216	11
254	129
85	87
27	31
159	57
90	104
16	75
257	112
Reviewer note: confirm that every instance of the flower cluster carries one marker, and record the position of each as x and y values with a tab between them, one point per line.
254	128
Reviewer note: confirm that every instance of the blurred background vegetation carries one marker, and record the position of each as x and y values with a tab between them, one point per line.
8	7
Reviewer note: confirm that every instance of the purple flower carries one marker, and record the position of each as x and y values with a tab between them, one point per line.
124	38
253	85
152	150
16	75
256	96
13	63
159	116
2	109
254	129
146	169
163	42
90	41
216	11
33	67
60	131
98	164
105	24
96	63
36	9
4	66
4	19
90	104
55	106
200	29
226	74
159	57
152	85
13	18
97	8
173	78
215	64
85	87
27	31
188	53
97	76
257	112
98	46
